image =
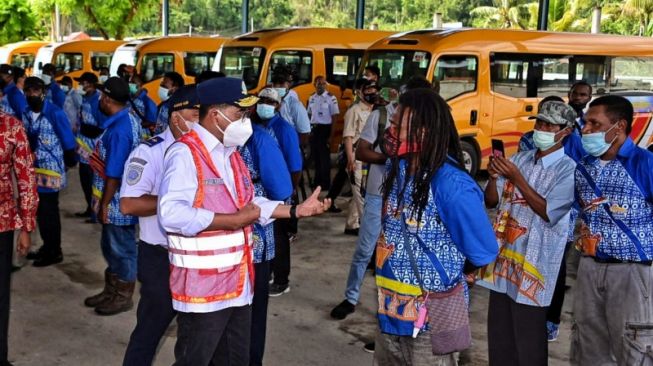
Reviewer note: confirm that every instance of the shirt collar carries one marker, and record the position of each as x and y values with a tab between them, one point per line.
112	119
627	149
551	158
9	87
211	142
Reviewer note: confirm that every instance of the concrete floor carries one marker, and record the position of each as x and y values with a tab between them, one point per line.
51	326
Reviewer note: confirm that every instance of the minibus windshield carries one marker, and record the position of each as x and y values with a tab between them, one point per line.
397	66
244	63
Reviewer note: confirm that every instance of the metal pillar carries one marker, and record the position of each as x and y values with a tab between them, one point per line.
245	15
596	20
165	16
543	15
360	14
57	24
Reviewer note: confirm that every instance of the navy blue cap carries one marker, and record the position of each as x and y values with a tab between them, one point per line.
184	98
224	91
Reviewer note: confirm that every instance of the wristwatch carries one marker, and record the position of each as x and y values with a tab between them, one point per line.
293	212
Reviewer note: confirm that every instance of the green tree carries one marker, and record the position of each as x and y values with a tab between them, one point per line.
508	14
17	21
640	10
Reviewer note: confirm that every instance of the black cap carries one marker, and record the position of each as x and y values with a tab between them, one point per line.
115	88
34	82
66	80
47	68
224	91
184	98
6	69
89	77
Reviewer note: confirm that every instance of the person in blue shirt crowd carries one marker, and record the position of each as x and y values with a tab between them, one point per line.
53	94
268	115
614	190
121	135
434	230
4	101
170	82
53	145
14	96
142	105
579	96
88	131
72	106
291	108
138	197
104	74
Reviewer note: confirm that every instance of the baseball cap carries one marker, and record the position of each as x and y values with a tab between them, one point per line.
34	82
89	77
115	88
6	69
184	98
270	93
224	91
557	113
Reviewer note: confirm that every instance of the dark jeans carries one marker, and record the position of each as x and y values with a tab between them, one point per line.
155	310
259	312
555	309
281	262
118	245
86	180
219	338
6	252
516	333
47	217
320	152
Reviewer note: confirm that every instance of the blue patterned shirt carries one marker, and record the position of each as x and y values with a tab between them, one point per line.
163	117
90	115
626	196
5	107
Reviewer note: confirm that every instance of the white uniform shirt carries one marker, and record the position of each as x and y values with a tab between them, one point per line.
143	175
177	194
322	108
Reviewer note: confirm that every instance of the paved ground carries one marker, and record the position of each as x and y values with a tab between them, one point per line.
51	326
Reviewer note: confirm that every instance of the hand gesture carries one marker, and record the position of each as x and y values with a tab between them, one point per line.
249	214
312	206
23	243
505	168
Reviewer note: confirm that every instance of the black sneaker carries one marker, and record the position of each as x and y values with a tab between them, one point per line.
278	290
369	347
47	260
34	255
342	310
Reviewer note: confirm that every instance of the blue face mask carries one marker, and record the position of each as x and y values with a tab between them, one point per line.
282	92
265	111
595	144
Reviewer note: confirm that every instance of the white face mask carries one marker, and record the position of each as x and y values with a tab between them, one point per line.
65	88
103	79
47	79
80	89
163	94
237	133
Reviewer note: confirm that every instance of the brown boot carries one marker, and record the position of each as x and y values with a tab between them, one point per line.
120	301
109	284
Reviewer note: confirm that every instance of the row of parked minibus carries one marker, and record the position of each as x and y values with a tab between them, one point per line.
492	79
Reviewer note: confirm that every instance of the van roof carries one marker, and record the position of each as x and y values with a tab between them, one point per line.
15	45
309	37
503	40
96	45
191	43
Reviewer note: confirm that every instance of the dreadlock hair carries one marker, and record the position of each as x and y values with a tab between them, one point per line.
431	126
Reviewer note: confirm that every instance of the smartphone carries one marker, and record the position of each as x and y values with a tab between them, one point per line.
497	148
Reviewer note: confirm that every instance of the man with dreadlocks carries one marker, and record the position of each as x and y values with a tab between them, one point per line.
433	222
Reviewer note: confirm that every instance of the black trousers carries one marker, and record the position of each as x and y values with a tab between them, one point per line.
47	217
338	182
516	333
219	338
281	262
555	309
259	312
86	181
6	252
320	152
155	310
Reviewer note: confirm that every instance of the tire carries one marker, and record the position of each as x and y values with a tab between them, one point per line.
470	157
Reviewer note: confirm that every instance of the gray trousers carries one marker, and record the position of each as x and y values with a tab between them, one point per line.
408	351
613	311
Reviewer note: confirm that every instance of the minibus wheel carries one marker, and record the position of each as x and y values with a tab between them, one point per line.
470	157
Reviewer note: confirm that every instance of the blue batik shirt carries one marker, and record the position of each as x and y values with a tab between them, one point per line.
619	218
288	141
90	115
146	108
55	95
264	161
163	117
5	107
454	227
120	137
16	99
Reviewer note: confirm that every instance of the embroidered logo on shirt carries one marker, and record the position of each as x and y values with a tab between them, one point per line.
134	173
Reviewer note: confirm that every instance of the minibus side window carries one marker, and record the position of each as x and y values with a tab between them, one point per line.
299	63
24	60
195	63
154	65
631	73
100	59
555	76
69	62
341	67
456	75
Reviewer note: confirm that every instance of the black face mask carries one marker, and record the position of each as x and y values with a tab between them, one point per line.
370	98
35	103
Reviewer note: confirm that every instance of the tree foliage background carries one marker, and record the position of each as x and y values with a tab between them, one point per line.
21	19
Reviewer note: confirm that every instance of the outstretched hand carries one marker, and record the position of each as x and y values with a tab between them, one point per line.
312	206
